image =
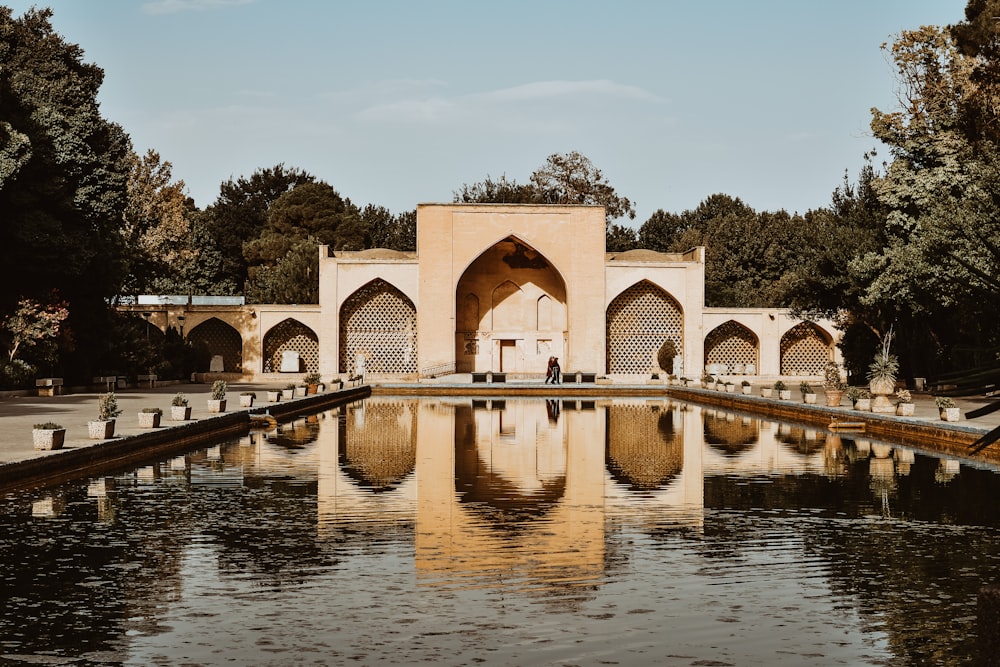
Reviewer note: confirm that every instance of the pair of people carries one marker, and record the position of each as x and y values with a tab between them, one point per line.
552	372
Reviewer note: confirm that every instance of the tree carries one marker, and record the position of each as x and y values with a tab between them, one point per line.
239	215
33	325
63	180
501	191
156	226
313	213
573	179
385	230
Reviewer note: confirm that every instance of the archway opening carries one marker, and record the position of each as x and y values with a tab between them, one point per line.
732	348
378	331
640	321
805	350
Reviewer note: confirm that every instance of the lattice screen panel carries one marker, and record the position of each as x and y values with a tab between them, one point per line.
380	322
378	443
639	321
733	345
220	338
644	449
292	335
804	350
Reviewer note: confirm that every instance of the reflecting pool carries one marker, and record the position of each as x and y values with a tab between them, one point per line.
508	532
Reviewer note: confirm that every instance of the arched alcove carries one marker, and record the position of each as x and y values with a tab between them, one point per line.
805	350
221	340
378	322
639	321
733	345
290	335
510	310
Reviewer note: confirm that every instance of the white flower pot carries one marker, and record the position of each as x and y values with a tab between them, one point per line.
180	413
101	430
149	420
216	405
48	438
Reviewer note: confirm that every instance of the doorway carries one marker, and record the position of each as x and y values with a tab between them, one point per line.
508	356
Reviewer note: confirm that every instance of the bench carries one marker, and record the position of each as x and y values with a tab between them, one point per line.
49	386
479	378
499	377
150	378
108	380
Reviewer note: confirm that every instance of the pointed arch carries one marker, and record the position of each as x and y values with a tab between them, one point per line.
805	350
507	304
639	321
543	313
290	335
734	346
221	340
378	322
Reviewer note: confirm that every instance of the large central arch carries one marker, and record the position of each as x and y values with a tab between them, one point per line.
510	311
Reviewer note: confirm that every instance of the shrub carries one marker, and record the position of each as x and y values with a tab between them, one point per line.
155	411
47	426
943	402
219	390
780	386
805	388
107	407
903	396
180	401
312	378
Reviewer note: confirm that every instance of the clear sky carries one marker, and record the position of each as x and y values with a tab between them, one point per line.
396	102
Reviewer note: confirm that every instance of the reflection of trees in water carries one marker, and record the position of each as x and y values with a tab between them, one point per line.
501	502
802	440
730	434
643	450
378	443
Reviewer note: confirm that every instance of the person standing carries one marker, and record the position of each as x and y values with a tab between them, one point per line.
548	370
555	370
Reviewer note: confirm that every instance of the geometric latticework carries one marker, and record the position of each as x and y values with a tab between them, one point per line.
378	442
220	339
639	321
805	350
644	450
731	344
291	335
379	322
730	434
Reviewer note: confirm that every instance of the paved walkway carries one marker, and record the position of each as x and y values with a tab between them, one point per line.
73	411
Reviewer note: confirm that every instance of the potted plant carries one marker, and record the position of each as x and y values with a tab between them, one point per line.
217	403
860	398
808	395
784	393
730	387
882	374
707	381
300	389
247	398
48	435
273	395
947	409
833	384
904	403
747	388
288	391
179	409
767	391
103	427
312	382
150	417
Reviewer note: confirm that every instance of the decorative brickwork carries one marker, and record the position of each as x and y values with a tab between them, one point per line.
220	339
379	322
805	350
639	321
291	335
733	345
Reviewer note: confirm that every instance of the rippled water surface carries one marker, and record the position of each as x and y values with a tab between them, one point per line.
518	532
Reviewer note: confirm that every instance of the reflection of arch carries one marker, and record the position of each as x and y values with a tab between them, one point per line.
805	350
379	322
732	344
378	443
639	321
501	502
803	441
220	339
291	335
644	449
730	434
295	435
